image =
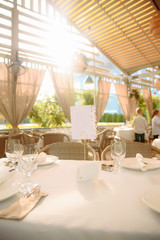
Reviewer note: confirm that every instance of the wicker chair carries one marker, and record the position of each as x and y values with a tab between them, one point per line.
2	145
29	139
70	151
132	148
103	139
106	154
17	136
49	138
137	147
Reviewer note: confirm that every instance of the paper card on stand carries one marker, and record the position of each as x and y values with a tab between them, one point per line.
83	120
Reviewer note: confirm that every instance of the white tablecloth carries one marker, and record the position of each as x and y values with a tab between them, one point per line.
128	133
107	208
156	143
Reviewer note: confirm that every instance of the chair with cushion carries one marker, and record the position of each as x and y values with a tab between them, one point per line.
70	151
49	138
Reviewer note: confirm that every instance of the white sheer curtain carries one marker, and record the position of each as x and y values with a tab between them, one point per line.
148	101
63	84
127	104
102	97
18	94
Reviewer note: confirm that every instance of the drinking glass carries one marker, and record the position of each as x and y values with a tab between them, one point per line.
12	148
118	152
27	164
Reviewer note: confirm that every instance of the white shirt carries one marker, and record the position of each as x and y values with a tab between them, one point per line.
139	124
156	125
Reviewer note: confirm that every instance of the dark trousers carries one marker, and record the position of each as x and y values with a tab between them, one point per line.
139	136
155	136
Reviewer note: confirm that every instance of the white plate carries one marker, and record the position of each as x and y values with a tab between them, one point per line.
132	163
4	173
7	189
152	198
49	160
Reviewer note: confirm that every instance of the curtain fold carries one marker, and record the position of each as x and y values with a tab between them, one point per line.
18	94
127	104
102	97
148	101
63	84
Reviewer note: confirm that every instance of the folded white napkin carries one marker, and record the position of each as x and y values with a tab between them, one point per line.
42	157
88	171
140	160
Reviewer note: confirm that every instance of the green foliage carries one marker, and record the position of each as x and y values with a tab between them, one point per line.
86	97
114	117
155	100
8	125
120	118
134	93
143	107
47	113
107	117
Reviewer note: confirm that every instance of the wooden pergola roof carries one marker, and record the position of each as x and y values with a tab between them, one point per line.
120	29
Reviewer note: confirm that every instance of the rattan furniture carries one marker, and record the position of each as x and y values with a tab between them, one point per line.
70	151
49	138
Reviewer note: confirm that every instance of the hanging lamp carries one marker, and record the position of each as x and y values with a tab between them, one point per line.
89	80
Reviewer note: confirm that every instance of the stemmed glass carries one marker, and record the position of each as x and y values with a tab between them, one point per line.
118	152
27	164
13	150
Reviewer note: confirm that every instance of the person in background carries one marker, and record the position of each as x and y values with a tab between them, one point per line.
156	123
139	124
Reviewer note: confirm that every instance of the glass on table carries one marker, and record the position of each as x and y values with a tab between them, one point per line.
13	150
27	164
118	153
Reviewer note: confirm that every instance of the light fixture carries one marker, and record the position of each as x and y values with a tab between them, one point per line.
155	25
89	80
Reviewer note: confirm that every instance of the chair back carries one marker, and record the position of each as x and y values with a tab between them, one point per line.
107	136
70	151
132	148
17	136
2	145
49	138
106	154
29	139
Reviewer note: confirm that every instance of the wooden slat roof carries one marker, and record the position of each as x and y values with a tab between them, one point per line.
118	28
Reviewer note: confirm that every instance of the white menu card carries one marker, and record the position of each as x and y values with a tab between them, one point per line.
83	121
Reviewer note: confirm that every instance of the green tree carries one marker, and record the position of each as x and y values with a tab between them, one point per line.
47	113
108	117
156	102
120	118
114	117
87	97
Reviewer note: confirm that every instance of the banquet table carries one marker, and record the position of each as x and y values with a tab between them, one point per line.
109	207
128	133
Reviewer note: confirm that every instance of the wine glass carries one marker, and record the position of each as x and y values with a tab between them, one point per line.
12	147
118	152
27	164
